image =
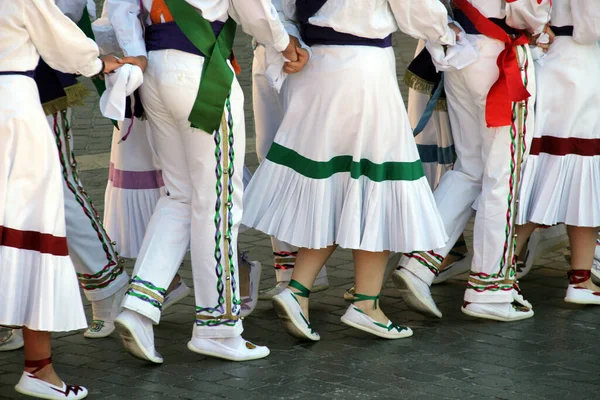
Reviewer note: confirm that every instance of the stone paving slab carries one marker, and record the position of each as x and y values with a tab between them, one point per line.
552	356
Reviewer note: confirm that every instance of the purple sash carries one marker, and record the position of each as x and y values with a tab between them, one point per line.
168	35
313	35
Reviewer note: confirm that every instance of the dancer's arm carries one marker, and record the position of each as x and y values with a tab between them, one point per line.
424	19
60	42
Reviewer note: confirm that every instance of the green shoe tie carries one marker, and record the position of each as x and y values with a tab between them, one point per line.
303	291
363	297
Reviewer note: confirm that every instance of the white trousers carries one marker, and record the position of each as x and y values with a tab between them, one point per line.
268	114
97	263
487	170
202	207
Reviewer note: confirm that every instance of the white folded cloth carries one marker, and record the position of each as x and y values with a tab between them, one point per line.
120	84
456	57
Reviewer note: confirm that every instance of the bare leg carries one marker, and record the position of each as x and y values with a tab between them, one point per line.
583	245
369	269
174	283
523	233
38	347
308	264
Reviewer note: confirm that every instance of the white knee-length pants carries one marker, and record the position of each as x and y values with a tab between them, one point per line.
97	263
487	171
202	207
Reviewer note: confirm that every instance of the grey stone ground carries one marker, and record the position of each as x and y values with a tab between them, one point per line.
552	356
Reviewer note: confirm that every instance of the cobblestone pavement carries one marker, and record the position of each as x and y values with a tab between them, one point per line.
552	356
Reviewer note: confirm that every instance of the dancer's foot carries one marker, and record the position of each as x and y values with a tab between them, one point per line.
40	380
415	292
364	314
137	334
232	349
582	289
105	311
292	308
505	312
176	292
11	339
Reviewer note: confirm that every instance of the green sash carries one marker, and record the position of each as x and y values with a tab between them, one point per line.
217	76
85	24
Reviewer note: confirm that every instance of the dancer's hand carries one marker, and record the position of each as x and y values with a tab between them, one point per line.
290	51
455	28
111	63
140	61
297	66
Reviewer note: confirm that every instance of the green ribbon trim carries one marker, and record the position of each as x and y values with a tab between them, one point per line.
363	297
303	291
217	76
85	24
388	171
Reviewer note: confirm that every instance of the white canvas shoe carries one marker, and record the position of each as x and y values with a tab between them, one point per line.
519	298
105	311
137	334
249	302
357	318
29	385
288	309
504	312
415	292
11	339
232	349
179	292
578	294
455	269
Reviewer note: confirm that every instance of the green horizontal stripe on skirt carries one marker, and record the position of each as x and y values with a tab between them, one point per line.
388	171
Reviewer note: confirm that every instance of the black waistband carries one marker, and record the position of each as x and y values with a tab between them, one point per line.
52	83
562	30
312	35
168	36
469	28
30	74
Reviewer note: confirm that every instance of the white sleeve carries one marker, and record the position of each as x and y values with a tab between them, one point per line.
528	15
124	16
259	18
423	19
586	21
58	40
72	8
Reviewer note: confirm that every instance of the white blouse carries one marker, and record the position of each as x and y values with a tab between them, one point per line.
258	18
585	17
376	19
30	28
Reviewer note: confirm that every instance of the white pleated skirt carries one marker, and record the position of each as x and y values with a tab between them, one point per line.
561	176
38	284
134	186
344	167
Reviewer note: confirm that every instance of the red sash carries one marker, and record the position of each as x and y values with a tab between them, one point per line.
509	87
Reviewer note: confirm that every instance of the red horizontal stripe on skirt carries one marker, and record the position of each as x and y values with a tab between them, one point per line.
562	146
36	241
